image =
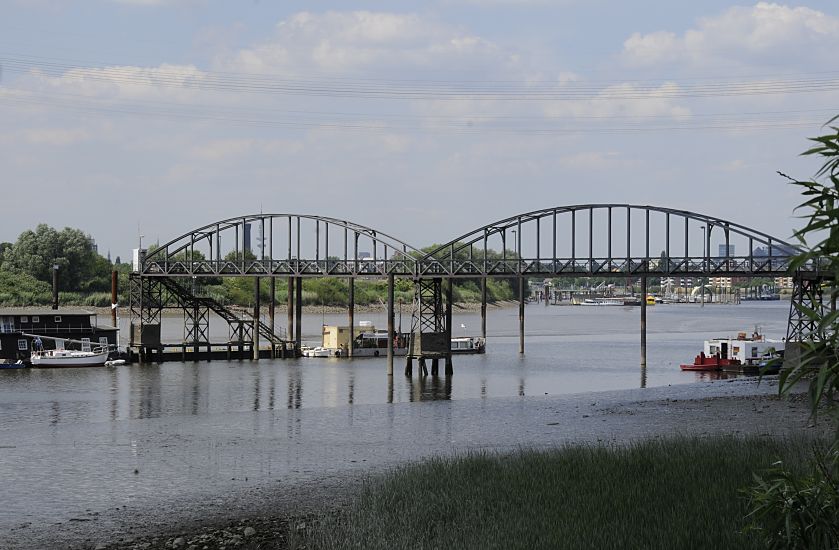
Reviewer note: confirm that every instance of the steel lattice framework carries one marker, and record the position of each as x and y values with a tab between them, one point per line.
565	241
589	240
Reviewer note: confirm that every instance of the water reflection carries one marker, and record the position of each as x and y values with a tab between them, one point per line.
295	388
568	354
429	388
706	376
150	393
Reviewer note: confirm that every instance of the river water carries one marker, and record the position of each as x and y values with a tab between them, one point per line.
77	442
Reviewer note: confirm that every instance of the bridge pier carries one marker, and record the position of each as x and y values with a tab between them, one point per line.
298	315
521	314
449	300
257	307
391	337
351	314
644	322
290	309
484	307
272	306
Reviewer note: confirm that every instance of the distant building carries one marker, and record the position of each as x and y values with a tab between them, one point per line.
720	282
246	244
775	250
783	282
725	251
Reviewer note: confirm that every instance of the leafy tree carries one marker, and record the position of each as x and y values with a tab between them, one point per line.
21	289
4	247
73	251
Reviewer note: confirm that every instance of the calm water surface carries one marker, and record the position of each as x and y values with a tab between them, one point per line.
568	350
72	439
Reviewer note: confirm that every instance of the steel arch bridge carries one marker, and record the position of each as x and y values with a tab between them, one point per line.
587	240
565	241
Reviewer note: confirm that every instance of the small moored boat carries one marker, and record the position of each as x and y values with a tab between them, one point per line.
714	362
69	358
743	354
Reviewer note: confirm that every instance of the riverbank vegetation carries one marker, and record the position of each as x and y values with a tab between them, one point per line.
84	278
791	509
676	493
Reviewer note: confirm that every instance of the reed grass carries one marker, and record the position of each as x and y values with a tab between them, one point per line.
675	493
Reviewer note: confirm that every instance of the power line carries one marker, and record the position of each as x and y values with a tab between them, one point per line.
449	125
419	90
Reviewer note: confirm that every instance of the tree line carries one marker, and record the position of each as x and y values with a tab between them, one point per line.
84	277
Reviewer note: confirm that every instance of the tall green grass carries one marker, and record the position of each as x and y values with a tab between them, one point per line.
682	493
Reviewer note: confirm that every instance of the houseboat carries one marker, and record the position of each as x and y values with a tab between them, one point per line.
369	341
19	325
745	353
468	344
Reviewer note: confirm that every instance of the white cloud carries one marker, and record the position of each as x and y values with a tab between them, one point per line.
764	33
349	41
626	99
124	82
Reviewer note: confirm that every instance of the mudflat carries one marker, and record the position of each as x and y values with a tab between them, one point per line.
320	464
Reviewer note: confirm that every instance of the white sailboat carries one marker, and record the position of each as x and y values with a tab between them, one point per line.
60	357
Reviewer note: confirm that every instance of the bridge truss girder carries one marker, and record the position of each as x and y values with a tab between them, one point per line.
740	266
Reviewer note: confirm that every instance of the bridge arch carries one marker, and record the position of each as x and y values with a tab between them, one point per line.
274	244
582	240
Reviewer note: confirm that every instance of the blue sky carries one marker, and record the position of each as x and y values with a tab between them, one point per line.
423	119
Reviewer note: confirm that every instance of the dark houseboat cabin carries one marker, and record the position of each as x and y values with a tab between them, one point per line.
63	323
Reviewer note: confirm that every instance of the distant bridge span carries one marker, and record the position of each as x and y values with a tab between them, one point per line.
590	240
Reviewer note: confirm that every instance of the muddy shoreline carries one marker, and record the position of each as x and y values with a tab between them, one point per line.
265	515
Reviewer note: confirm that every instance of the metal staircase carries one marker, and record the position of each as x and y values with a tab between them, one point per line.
191	302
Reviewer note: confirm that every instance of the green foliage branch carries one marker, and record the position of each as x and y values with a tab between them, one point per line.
788	510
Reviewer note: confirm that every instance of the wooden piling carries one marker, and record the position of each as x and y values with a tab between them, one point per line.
114	296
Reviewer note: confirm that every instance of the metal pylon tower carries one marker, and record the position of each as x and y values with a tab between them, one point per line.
146	302
430	326
807	294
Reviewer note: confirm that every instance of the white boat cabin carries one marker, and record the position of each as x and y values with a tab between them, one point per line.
748	349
